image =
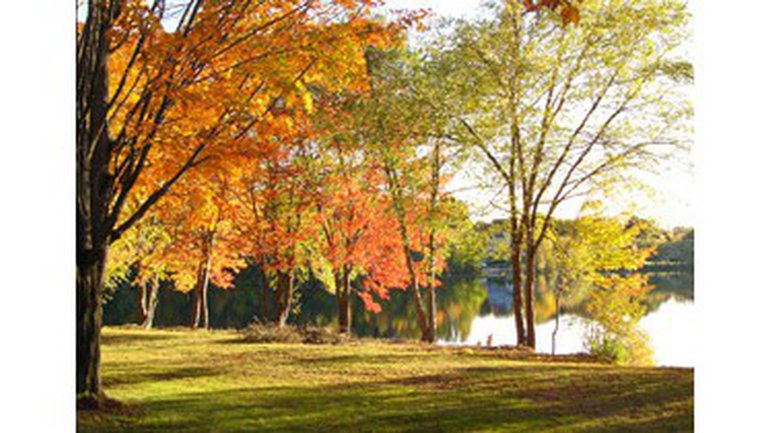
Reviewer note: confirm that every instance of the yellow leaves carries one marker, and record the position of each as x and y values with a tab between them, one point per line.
307	97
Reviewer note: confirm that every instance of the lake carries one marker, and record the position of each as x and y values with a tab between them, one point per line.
470	310
671	329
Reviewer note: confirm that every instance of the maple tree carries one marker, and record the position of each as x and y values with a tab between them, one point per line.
285	193
164	87
205	247
404	129
358	238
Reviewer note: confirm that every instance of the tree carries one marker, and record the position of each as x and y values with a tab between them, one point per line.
138	256
394	126
205	247
563	112
162	88
358	227
616	308
352	237
594	254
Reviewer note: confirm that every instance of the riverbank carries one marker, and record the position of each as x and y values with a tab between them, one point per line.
178	380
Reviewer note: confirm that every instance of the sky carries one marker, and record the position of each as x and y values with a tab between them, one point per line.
671	186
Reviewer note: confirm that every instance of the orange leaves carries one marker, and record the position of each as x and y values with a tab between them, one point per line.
222	101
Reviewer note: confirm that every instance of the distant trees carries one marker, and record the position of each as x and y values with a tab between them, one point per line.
678	249
138	256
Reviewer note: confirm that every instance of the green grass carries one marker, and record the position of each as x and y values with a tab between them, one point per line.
213	382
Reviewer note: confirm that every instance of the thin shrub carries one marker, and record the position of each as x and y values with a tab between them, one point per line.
631	347
262	333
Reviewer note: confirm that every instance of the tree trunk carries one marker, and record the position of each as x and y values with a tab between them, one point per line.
197	299
89	323
283	298
200	316
200	299
344	313
265	303
516	285
556	324
151	304
421	316
421	319
429	334
142	302
205	298
94	190
529	299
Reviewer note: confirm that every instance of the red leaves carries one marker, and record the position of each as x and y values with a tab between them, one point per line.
569	12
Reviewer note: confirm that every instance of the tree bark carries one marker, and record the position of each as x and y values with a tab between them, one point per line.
284	296
344	313
521	337
151	305
89	323
200	299
529	299
556	324
94	190
421	316
142	303
429	334
205	297
197	299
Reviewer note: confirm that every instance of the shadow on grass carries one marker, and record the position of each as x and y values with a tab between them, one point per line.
507	398
346	360
137	378
142	337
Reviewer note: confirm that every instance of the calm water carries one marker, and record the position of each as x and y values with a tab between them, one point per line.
671	329
470	310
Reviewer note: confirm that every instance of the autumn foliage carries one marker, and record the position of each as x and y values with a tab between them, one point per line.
305	139
217	122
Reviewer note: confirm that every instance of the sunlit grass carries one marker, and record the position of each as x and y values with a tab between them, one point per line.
212	381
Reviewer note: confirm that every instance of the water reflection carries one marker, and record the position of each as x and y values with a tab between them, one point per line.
671	329
470	310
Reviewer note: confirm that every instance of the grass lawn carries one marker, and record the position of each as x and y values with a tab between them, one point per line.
213	382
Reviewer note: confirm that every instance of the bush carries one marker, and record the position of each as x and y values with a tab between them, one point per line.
260	333
322	335
629	348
